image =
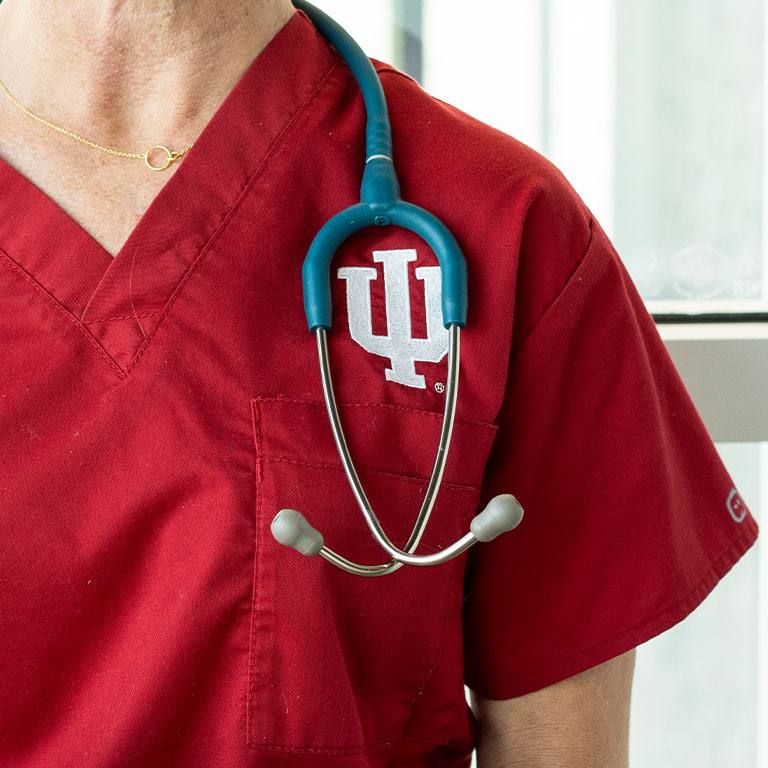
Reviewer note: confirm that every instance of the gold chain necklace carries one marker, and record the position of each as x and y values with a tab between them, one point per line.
169	155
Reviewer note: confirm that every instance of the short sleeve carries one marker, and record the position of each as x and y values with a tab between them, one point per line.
630	516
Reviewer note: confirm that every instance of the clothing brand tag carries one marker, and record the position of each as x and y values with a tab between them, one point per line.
736	505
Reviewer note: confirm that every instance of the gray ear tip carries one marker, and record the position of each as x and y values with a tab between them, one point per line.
291	529
284	525
501	514
513	508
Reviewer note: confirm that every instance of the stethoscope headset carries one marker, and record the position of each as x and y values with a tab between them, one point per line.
381	206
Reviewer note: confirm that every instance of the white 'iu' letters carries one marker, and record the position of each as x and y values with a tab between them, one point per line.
398	345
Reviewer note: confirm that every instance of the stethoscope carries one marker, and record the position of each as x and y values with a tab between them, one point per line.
380	205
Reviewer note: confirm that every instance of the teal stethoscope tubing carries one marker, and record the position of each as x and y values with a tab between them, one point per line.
380	205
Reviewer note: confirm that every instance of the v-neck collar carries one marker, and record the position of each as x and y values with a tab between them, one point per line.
120	300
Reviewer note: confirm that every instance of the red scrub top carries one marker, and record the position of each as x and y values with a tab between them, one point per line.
157	409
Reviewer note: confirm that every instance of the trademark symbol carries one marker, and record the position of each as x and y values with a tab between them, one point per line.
439	387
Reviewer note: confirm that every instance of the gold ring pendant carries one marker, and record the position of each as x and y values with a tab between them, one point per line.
169	157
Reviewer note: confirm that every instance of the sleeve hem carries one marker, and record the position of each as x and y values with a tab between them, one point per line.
628	639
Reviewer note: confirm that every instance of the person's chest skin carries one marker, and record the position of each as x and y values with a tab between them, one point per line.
104	194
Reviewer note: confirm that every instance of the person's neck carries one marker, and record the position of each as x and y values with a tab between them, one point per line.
132	72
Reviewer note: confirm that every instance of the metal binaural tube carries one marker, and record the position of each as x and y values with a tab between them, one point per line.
501	514
400	556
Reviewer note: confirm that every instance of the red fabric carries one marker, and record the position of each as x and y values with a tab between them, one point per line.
156	410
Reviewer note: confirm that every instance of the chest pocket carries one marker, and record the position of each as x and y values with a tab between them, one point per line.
338	662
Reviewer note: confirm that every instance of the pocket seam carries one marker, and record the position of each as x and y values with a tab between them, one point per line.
390	406
252	647
490	429
365	470
257	413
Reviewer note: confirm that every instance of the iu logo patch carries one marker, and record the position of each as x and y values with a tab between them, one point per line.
398	345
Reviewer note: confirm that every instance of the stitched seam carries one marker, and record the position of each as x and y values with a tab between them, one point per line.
459	709
60	308
319	37
391	70
562	290
418	740
391	406
461	704
121	317
256	425
379	472
234	209
346	750
321	750
478	479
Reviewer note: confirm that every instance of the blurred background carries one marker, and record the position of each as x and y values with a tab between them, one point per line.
656	112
